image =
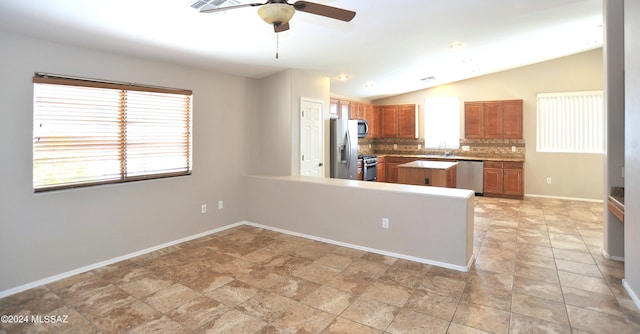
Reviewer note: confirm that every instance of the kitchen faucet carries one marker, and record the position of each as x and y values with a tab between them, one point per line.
444	144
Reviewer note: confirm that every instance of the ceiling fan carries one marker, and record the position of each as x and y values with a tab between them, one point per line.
279	12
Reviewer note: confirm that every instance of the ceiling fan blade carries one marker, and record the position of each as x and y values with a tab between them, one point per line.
222	9
324	10
281	27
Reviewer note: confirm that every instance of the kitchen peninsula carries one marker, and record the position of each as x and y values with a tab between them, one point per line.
428	173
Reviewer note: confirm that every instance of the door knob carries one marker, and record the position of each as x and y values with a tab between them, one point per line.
320	164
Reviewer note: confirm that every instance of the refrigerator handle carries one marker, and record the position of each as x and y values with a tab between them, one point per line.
348	148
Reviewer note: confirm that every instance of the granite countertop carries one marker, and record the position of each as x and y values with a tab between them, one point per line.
429	164
452	157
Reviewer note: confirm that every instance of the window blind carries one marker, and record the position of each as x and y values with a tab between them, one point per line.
570	122
89	132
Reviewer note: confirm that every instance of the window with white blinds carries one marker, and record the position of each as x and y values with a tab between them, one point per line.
570	122
88	132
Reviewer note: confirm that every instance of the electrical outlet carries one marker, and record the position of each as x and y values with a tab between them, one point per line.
203	208
395	146
466	148
220	205
419	146
513	148
385	222
549	180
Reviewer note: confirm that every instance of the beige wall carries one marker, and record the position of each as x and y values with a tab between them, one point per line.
632	147
573	175
613	66
428	224
50	233
277	120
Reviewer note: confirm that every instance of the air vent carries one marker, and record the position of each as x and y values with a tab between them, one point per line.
201	4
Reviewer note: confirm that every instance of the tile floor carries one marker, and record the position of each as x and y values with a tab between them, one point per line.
538	270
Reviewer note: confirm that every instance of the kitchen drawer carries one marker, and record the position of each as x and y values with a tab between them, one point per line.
492	164
513	165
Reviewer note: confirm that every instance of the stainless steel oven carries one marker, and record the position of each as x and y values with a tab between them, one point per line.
369	168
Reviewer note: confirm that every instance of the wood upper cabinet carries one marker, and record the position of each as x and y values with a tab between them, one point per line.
389	118
493	119
376	128
407	121
354	111
360	111
473	120
399	121
512	119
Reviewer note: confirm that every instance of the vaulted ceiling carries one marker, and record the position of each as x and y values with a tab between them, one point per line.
387	49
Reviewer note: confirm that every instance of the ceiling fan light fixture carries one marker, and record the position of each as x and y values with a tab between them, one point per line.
276	13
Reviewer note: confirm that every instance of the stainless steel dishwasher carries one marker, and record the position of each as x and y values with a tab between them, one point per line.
470	175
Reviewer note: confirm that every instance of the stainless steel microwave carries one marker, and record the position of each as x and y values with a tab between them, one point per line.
363	128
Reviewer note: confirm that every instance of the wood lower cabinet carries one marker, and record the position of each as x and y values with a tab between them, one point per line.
360	171
513	179
382	169
501	178
391	167
493	177
391	174
426	173
504	179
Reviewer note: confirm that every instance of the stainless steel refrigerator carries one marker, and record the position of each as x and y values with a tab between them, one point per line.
344	149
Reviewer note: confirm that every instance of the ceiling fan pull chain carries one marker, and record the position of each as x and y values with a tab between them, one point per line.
277	44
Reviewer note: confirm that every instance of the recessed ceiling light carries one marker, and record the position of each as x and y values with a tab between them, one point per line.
428	78
343	77
455	45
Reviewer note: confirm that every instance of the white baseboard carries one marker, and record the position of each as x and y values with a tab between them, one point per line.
565	198
60	276
610	257
367	249
631	293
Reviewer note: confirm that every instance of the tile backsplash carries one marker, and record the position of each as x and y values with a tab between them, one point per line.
494	148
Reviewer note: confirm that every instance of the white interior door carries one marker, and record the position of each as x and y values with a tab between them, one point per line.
311	137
